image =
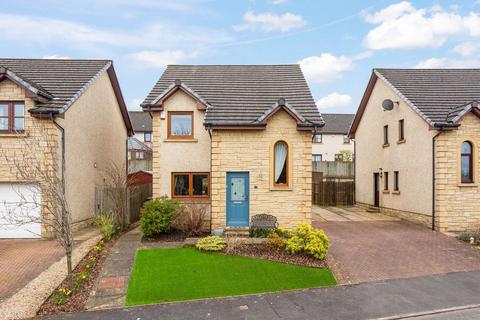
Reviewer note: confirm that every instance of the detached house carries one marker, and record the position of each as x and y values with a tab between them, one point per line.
74	107
417	134
236	137
333	139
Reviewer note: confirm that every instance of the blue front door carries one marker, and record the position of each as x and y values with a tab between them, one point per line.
237	199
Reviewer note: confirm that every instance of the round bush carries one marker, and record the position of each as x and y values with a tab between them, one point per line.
156	216
313	242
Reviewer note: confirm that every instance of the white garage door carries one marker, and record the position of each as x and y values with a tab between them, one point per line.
19	201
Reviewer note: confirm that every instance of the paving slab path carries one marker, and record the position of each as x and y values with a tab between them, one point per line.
111	286
423	298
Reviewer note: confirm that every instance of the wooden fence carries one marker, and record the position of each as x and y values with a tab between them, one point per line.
333	183
136	196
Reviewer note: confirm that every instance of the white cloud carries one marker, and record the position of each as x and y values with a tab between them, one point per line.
160	59
334	100
55	32
269	22
278	1
402	25
466	49
134	104
54	56
325	67
448	63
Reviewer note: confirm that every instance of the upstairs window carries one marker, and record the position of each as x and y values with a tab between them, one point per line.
317	138
12	117
139	155
385	135
467	162
180	125
280	164
346	139
401	130
147	137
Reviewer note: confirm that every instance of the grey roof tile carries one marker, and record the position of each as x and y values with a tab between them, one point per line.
61	78
438	94
337	122
141	121
240	94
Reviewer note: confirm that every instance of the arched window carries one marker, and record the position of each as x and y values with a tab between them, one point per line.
280	174
467	162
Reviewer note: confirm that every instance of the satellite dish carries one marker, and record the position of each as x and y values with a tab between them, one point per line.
387	105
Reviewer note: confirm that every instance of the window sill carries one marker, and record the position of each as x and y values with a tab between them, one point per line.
181	140
13	135
396	192
468	185
401	141
386	191
386	145
281	188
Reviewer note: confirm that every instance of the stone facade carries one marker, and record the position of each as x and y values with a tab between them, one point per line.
95	136
457	204
251	151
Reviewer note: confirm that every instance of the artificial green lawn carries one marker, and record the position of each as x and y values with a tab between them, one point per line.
161	275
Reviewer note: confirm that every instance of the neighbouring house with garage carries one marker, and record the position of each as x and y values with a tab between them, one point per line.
74	113
140	144
417	134
237	138
332	142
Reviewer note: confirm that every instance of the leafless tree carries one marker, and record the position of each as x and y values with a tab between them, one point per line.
39	167
117	190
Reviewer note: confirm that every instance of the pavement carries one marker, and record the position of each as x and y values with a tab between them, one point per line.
374	249
450	296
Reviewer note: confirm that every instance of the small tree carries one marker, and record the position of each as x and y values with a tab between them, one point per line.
346	156
40	167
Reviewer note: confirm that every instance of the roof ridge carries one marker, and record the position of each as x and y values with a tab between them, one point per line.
56	59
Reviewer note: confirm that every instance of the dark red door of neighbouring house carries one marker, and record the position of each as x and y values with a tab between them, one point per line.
376	189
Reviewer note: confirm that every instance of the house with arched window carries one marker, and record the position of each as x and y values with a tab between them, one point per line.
416	137
236	138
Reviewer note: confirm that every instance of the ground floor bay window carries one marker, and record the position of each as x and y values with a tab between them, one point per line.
190	185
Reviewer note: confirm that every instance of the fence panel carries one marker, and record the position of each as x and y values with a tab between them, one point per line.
333	183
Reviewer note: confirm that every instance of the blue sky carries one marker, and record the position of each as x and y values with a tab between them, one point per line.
337	43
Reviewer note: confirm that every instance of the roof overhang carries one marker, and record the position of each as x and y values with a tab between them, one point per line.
157	103
31	91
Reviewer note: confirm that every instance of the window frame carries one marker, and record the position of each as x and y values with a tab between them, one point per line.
346	139
11	116
169	125
471	176
190	185
318	135
396	181
401	130
385	135
385	181
149	133
317	155
287	180
139	152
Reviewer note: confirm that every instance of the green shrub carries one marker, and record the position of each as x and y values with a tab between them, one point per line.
156	216
105	221
260	232
276	241
210	243
282	232
313	242
467	234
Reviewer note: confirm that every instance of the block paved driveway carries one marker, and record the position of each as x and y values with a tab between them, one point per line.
22	260
378	247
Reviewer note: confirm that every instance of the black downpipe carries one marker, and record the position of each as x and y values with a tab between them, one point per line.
433	178
62	130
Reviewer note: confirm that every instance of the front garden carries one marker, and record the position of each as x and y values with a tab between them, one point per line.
272	259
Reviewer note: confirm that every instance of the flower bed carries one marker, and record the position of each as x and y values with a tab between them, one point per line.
66	299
